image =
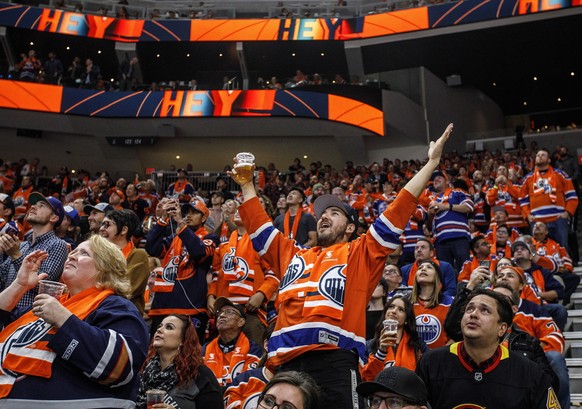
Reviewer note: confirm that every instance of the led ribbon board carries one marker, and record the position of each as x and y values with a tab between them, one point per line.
190	104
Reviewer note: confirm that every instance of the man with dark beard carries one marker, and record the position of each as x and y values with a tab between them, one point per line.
325	289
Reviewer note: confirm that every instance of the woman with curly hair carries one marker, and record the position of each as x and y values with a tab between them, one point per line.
404	349
174	364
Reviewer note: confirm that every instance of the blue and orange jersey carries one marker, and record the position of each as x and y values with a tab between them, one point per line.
245	389
430	322
324	292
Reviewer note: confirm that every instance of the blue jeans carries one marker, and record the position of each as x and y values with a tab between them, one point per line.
558	364
454	252
558	312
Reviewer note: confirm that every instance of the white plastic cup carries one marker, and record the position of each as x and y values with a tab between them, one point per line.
52	288
390	326
154	396
245	157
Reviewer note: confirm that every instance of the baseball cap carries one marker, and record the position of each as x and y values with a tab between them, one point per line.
325	201
119	193
53	202
7	200
221	302
73	215
197	205
520	243
100	207
317	186
298	189
438	173
519	271
398	380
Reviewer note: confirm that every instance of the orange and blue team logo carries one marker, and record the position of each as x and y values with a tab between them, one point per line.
294	270
332	284
24	336
428	327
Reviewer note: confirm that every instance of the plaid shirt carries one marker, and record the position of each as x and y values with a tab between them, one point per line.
53	265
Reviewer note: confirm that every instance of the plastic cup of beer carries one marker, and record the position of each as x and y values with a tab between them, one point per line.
154	396
390	326
52	288
244	166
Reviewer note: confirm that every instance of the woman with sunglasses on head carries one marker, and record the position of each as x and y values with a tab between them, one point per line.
403	349
175	365
290	390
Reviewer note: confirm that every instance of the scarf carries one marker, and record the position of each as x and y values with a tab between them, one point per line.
25	341
293	233
405	356
545	184
153	377
180	185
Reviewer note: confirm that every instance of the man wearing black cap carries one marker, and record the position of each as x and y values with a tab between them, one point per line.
325	290
395	387
44	215
231	352
296	223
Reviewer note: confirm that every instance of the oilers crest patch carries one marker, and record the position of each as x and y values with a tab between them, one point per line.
24	336
294	270
232	264
428	327
332	284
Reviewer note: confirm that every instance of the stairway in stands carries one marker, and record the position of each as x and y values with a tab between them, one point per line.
573	335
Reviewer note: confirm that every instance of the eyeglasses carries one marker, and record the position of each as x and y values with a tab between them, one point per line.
391	402
269	402
392	272
228	313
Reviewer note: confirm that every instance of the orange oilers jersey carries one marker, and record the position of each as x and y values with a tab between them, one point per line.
547	195
226	366
531	319
238	273
430	322
465	274
550	248
324	291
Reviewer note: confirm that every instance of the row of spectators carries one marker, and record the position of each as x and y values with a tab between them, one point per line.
182	222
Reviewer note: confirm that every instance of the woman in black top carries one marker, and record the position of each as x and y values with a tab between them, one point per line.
175	365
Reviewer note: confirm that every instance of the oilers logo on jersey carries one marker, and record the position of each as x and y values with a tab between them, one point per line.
428	328
294	270
332	284
24	336
232	264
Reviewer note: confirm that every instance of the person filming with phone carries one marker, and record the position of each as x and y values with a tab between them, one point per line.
186	254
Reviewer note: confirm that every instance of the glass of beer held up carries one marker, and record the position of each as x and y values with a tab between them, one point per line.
244	167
